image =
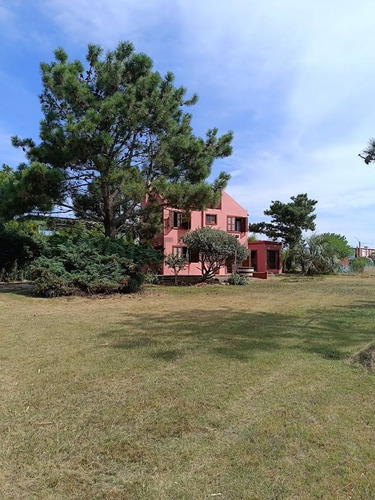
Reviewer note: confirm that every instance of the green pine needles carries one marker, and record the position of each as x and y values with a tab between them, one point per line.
116	142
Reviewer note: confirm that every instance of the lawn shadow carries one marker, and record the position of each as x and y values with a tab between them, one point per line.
241	335
17	289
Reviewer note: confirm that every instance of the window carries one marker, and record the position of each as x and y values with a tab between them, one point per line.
193	256
231	223
273	259
210	219
180	251
179	219
237	224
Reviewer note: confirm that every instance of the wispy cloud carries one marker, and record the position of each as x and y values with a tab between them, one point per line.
110	21
293	79
6	14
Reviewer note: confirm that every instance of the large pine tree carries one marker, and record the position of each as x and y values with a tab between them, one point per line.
288	220
115	134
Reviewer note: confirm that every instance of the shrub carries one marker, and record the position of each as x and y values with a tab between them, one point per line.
236	279
143	255
18	247
151	278
313	256
359	264
87	265
177	263
50	277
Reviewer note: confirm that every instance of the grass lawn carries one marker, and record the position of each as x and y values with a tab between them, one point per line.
189	393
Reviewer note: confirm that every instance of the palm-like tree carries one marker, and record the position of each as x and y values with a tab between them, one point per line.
314	255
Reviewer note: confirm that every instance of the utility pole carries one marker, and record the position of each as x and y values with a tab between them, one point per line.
359	246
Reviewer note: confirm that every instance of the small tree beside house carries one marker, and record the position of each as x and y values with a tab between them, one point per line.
177	263
215	247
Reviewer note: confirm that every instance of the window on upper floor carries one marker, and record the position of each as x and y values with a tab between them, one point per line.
211	219
179	220
237	224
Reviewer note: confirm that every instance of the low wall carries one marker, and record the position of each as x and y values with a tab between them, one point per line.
190	280
260	275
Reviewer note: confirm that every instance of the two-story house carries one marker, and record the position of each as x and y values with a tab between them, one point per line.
228	216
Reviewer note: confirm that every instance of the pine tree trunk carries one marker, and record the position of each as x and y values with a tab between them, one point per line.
109	219
109	227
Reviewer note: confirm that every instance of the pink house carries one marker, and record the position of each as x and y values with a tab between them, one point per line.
228	216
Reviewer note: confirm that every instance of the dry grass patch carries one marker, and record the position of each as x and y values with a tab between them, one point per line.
186	393
365	357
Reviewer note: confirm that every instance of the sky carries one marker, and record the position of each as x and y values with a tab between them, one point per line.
293	80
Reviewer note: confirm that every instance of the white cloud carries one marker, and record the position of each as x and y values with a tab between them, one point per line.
108	22
293	79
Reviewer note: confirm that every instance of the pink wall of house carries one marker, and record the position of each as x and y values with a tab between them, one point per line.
229	216
266	256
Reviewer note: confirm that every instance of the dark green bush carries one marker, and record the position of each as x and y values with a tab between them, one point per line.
143	255
18	247
89	265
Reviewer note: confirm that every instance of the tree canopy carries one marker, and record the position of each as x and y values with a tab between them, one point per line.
368	154
115	134
28	188
288	220
215	247
338	243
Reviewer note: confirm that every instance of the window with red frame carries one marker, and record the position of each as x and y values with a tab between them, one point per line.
211	219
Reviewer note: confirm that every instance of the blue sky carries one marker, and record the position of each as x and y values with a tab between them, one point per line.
294	81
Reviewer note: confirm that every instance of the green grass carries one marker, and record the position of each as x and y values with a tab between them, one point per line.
189	393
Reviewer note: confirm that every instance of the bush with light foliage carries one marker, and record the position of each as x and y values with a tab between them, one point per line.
359	264
215	248
314	255
177	263
236	279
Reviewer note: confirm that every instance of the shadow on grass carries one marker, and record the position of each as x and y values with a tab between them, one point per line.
331	333
17	288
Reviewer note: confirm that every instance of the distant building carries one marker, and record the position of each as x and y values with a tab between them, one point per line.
364	252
